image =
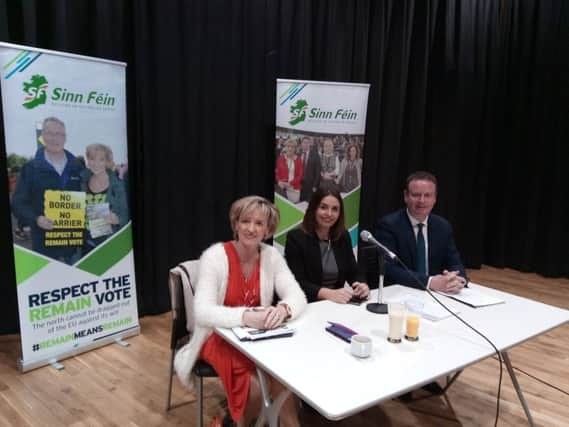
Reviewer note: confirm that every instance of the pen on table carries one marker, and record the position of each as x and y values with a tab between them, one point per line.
262	331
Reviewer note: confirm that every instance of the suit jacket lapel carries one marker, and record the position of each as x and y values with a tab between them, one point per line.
314	253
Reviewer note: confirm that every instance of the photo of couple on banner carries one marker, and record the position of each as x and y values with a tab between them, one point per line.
64	204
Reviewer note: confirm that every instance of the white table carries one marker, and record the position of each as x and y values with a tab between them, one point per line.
317	367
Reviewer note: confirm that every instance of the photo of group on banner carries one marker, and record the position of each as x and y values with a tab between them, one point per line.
306	162
65	205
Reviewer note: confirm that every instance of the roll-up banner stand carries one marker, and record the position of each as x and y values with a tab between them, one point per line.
65	136
319	141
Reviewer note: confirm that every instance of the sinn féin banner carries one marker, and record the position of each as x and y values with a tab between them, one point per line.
319	144
65	135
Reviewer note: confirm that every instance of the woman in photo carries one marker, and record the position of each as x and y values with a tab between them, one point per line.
350	169
320	254
289	172
236	285
106	203
330	166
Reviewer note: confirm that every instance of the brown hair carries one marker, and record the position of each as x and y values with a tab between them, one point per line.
247	204
420	176
53	120
357	156
309	222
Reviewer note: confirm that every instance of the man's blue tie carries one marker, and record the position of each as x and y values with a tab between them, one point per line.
421	262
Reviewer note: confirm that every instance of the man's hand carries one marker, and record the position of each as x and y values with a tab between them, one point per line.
449	282
44	223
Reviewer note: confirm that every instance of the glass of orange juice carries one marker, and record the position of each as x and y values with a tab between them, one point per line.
414	310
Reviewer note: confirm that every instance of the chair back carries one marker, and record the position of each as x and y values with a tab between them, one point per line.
181	282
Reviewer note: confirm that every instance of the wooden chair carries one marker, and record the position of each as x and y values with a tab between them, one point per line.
181	282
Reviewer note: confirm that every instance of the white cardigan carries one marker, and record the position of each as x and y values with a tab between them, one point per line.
209	311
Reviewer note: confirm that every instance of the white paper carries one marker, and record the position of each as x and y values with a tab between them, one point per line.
96	216
432	310
251	334
473	297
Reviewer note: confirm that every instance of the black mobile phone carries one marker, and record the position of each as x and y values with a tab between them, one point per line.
357	300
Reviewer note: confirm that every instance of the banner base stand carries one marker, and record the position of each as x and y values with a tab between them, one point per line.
56	365
121	342
29	365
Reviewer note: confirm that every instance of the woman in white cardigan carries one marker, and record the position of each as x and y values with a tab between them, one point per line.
236	286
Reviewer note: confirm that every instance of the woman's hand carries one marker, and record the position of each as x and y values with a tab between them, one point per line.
112	219
255	317
265	318
361	290
341	295
275	316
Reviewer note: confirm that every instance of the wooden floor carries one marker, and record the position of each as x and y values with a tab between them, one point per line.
116	386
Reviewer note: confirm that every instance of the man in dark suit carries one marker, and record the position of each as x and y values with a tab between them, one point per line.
312	166
423	241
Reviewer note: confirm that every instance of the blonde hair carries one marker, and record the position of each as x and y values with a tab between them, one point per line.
291	141
246	205
100	148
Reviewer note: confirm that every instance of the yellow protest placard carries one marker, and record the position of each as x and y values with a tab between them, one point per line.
65	208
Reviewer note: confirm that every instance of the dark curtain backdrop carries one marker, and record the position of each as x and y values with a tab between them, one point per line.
475	91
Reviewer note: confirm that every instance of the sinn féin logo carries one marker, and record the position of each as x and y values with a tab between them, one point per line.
36	91
298	111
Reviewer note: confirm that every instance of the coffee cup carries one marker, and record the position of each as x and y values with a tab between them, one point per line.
360	346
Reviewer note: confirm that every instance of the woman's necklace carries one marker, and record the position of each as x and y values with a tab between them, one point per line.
247	263
247	268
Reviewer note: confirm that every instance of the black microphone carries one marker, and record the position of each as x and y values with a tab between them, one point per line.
378	307
368	237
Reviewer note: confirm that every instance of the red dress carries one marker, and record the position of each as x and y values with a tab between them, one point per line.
232	367
283	175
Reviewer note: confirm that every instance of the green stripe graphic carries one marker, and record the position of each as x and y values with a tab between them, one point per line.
27	264
352	209
290	215
108	253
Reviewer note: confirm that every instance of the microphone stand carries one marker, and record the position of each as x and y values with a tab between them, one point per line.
379	307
